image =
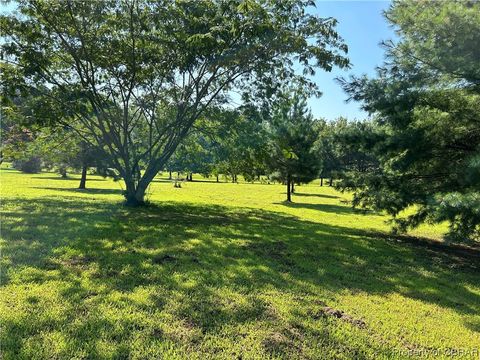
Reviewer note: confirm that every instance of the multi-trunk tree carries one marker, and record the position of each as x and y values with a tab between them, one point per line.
136	75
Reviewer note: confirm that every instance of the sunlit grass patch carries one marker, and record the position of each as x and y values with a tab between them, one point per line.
221	271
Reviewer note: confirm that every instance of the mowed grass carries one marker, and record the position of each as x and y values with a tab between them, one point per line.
222	271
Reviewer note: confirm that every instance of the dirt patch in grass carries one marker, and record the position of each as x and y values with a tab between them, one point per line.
80	262
183	256
285	342
165	258
275	341
328	311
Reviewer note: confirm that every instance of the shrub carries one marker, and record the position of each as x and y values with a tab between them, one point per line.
29	165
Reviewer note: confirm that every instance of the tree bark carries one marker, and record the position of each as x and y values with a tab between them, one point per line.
134	194
289	196
169	175
63	172
83	179
321	181
293	187
135	197
217	178
331	182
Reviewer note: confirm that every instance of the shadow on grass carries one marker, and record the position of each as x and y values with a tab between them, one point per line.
190	253
323	196
83	191
67	178
330	208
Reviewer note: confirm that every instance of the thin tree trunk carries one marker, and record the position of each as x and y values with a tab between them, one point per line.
63	172
293	187
83	179
170	175
331	182
289	196
217	178
321	181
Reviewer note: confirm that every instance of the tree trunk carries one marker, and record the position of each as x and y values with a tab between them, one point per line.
134	193
63	172
217	178
83	179
134	197
293	187
321	181
191	176
289	196
169	175
331	182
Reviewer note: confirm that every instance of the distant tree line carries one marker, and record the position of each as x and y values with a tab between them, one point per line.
144	87
284	144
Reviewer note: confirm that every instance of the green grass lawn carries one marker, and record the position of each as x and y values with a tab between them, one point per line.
222	271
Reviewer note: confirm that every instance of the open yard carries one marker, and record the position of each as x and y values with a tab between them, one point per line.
222	271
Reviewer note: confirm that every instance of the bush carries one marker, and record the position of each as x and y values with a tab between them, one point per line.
30	165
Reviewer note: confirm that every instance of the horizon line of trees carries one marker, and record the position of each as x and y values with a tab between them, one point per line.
137	87
286	145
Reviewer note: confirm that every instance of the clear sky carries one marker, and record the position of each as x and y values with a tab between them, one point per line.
362	26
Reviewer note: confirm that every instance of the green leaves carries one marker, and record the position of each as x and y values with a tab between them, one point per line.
448	34
292	135
426	101
150	69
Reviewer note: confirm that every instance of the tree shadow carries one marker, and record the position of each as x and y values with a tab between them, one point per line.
9	169
323	196
67	178
192	255
82	191
160	180
330	208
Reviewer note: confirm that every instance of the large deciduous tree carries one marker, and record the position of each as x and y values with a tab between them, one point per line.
135	75
426	103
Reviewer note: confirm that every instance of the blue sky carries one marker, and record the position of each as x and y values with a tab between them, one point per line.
362	26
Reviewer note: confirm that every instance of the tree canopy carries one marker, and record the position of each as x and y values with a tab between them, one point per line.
426	104
132	77
292	136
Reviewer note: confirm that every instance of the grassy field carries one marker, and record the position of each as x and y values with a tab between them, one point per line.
222	271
